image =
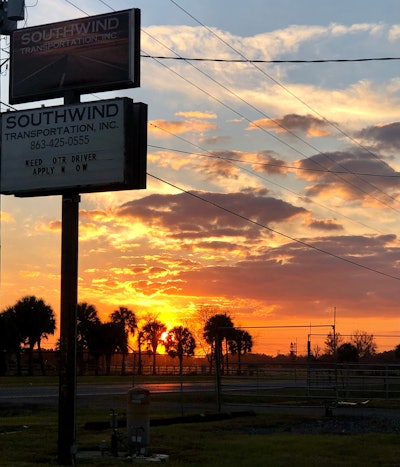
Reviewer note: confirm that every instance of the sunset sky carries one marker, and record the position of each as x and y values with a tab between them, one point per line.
272	188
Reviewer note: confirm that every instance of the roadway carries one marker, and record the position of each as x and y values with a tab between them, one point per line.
98	393
49	394
41	394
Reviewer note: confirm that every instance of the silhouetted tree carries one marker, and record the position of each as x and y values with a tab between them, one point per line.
332	342
239	343
87	320
197	324
347	353
152	332
140	339
397	352
103	340
179	343
35	320
365	344
113	338
87	316
217	329
127	320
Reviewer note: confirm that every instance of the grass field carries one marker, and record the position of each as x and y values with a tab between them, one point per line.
28	437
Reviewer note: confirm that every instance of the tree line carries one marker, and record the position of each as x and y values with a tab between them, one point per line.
360	346
25	324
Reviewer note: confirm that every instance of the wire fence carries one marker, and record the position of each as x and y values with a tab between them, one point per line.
311	382
258	379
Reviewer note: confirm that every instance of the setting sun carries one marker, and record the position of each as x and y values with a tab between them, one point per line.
164	336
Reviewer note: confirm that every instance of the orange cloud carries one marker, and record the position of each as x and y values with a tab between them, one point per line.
166	129
53	226
197	114
311	126
6	217
170	159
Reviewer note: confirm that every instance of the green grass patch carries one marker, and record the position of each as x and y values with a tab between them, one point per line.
28	437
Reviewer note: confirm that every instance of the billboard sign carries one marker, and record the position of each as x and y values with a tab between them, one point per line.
97	53
86	147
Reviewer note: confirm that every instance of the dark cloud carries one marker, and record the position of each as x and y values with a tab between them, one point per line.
231	261
383	137
269	163
327	225
225	163
355	174
307	124
206	213
219	167
301	279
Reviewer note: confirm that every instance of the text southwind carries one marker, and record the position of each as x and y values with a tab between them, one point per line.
19	121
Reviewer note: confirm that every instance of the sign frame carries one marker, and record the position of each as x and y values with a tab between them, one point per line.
84	55
33	137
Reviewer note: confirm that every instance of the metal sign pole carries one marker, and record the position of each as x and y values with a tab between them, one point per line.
68	322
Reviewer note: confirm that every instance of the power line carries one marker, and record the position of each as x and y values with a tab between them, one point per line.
227	88
107	5
322	170
303	197
277	232
77	7
250	61
237	96
245	59
241	115
8	105
279	125
270	164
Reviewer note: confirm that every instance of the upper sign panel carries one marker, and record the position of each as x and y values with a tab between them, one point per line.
98	53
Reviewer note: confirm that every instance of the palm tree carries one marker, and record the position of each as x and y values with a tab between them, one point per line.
127	320
140	338
87	319
112	334
216	329
240	342
179	343
152	332
35	320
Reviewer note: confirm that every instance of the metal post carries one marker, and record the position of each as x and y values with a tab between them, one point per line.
69	280
218	370
68	322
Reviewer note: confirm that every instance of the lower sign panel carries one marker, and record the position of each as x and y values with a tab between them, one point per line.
87	147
